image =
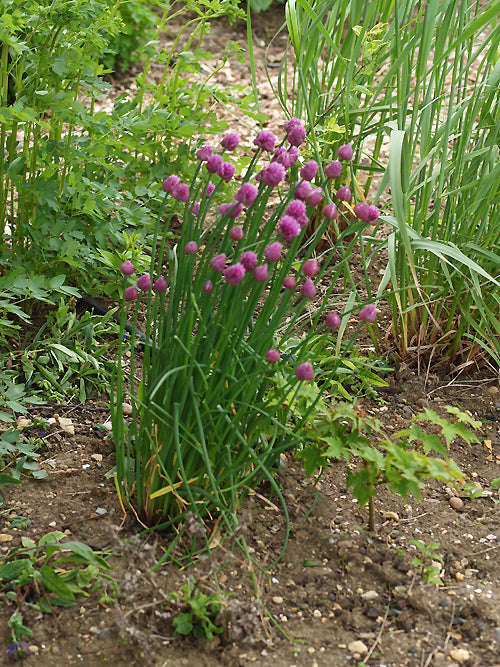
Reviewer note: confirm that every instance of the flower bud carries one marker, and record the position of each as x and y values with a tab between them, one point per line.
230	141
144	283
305	371
273	252
218	263
234	274
289	282
368	314
131	294
247	194
309	170
127	268
208	287
345	152
261	273
236	233
308	289
159	285
249	260
170	183
288	228
344	194
361	211
191	248
265	140
310	268
333	170
272	355
204	153
330	212
332	321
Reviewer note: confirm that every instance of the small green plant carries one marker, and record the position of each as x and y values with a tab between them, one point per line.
52	572
429	564
18	456
205	613
401	462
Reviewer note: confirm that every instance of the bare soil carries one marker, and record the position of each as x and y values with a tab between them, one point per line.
335	584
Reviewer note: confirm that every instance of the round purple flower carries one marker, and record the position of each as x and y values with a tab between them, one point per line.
226	171
332	321
194	208
273	174
265	140
308	289
208	287
261	273
288	228
297	209
303	189
170	183
314	197
293	155
131	294
310	268
368	313
344	193
191	248
281	156
230	141
234	274
292	122
236	233
204	153
249	260
144	283
333	170
309	170
290	282
218	263
305	371
181	192
214	164
295	133
330	212
159	285
247	194
273	252
208	191
272	355
127	268
373	213
236	209
345	152
361	211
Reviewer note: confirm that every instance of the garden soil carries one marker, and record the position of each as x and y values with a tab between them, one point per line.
338	595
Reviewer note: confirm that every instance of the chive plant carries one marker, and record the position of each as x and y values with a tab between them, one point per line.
205	428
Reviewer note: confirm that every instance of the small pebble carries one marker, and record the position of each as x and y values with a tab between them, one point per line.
369	595
277	599
126	408
460	655
357	647
456	503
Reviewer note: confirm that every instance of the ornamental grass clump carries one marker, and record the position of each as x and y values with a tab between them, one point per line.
206	427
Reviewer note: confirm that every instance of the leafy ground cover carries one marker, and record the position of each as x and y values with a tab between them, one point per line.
422	589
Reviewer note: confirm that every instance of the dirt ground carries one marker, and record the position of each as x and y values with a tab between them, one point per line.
339	595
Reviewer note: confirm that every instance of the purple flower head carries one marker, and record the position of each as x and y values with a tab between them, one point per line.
373	213
218	263
261	273
131	294
305	371
194	208
224	208
309	170
236	209
204	153
281	156
208	191
234	274
236	233
191	248
345	152
314	197
310	268
226	172
303	189
144	283
292	122
272	355
208	287
170	183
273	174
265	140
230	141
127	268
273	252
293	155
249	260
288	228
333	170
344	193
308	289
297	209
296	134
214	164
181	192
332	321
368	313
247	194
330	212
290	282
361	211
160	285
